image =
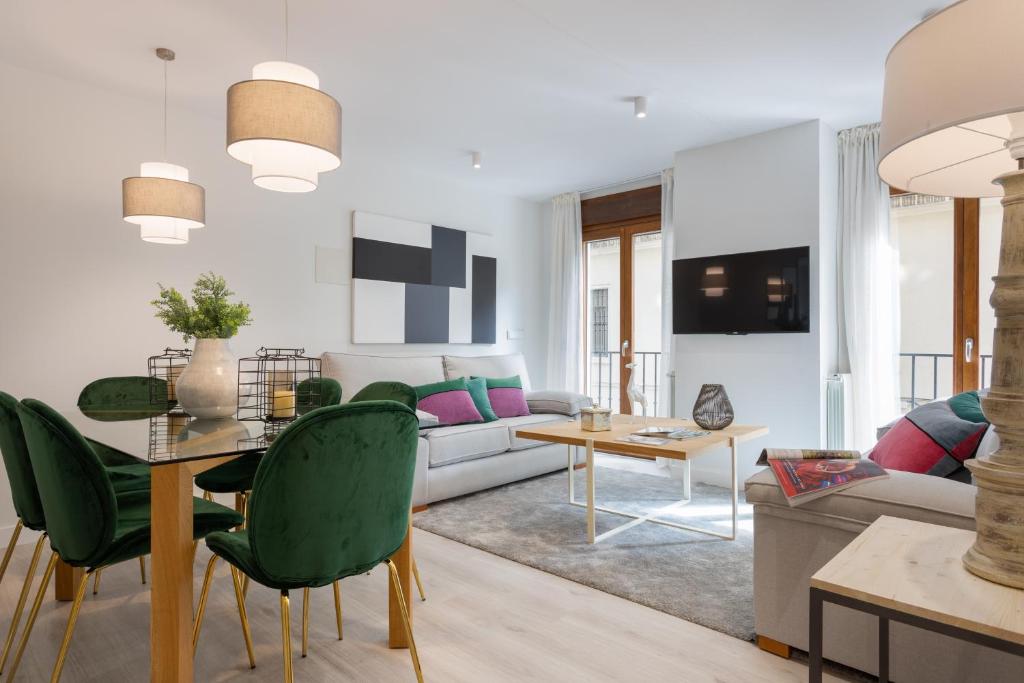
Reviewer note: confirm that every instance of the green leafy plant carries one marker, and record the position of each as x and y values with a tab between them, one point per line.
211	317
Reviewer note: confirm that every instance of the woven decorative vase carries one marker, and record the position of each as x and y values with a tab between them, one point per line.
712	409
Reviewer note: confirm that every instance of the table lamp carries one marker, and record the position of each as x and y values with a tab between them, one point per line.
953	125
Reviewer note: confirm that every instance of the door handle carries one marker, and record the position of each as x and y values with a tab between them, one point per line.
968	349
625	349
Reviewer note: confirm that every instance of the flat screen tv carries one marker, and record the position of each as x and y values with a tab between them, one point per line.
753	292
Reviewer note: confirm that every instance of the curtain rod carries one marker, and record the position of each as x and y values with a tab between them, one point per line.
655	174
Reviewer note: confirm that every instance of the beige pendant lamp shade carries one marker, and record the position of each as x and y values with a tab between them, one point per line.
163	203
952	126
284	126
953	90
161	200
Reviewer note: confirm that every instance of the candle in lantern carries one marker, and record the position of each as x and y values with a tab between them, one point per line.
173	373
284	404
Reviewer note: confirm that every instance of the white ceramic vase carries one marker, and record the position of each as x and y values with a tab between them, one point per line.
208	386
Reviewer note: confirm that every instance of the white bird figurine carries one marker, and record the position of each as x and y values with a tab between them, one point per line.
634	394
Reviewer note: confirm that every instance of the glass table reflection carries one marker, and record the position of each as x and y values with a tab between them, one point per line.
159	436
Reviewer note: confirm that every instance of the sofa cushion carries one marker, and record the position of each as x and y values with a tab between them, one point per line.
487	366
450	401
506	396
930	439
478	390
459	443
903	494
355	371
560	402
524	421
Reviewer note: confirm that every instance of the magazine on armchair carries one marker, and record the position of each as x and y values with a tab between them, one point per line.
805	475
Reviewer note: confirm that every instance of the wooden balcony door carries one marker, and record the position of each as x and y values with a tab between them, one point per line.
621	235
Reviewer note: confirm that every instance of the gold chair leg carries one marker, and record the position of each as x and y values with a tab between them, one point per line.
337	607
419	584
72	620
10	548
32	615
245	587
201	608
393	570
286	637
26	588
243	616
142	569
305	619
96	581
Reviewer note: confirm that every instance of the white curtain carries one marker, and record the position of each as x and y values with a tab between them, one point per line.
868	285
564	322
667	339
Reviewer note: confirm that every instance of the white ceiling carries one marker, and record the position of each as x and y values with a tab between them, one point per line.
541	87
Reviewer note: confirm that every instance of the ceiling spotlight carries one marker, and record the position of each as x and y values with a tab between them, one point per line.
476	160
640	107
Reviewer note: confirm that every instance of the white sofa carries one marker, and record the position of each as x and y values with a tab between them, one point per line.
454	461
792	543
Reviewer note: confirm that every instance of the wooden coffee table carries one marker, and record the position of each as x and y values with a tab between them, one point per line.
571	434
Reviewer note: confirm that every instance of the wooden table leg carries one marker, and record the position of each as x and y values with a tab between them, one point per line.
403	562
171	611
66	580
591	492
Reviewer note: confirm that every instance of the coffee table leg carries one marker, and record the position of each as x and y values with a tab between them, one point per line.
686	480
883	650
814	654
572	470
591	525
735	487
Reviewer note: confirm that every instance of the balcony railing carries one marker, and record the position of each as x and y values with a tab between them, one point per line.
604	378
931	370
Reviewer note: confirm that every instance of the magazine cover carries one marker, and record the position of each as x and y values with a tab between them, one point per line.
803	480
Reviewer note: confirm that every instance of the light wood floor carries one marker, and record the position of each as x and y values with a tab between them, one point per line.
486	619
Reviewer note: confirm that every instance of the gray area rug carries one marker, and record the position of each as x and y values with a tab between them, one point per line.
702	579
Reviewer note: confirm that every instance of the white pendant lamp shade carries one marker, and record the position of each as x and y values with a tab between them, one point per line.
953	93
282	125
163	203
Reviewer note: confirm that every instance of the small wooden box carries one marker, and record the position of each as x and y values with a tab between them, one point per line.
596	419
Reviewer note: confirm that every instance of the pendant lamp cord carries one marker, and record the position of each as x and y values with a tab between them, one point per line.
165	110
286	30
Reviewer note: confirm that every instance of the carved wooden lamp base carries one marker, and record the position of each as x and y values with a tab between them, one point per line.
998	552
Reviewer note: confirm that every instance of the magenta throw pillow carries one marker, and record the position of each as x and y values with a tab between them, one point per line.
507	397
450	401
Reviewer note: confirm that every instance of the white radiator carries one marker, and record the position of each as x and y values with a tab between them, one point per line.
837	410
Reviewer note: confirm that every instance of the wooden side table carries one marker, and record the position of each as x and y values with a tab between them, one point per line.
912	573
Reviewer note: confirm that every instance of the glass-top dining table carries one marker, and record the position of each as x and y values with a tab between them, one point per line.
178	447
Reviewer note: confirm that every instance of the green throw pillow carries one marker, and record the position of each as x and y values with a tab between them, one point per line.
512	382
967	406
478	390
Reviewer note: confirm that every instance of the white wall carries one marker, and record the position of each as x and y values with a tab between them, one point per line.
77	280
767	191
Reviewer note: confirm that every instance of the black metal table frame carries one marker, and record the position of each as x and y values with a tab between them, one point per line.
820	596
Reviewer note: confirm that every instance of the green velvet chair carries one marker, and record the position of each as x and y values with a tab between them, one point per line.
331	499
27	505
88	525
236	476
387	391
406	395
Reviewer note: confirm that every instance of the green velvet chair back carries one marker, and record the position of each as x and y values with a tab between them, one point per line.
77	497
387	391
315	393
332	495
136	393
24	493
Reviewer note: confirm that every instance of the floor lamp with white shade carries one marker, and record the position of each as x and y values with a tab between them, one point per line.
953	125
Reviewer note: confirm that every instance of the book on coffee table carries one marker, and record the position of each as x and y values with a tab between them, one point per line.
768	454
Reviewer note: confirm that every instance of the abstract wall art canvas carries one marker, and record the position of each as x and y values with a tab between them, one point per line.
417	283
